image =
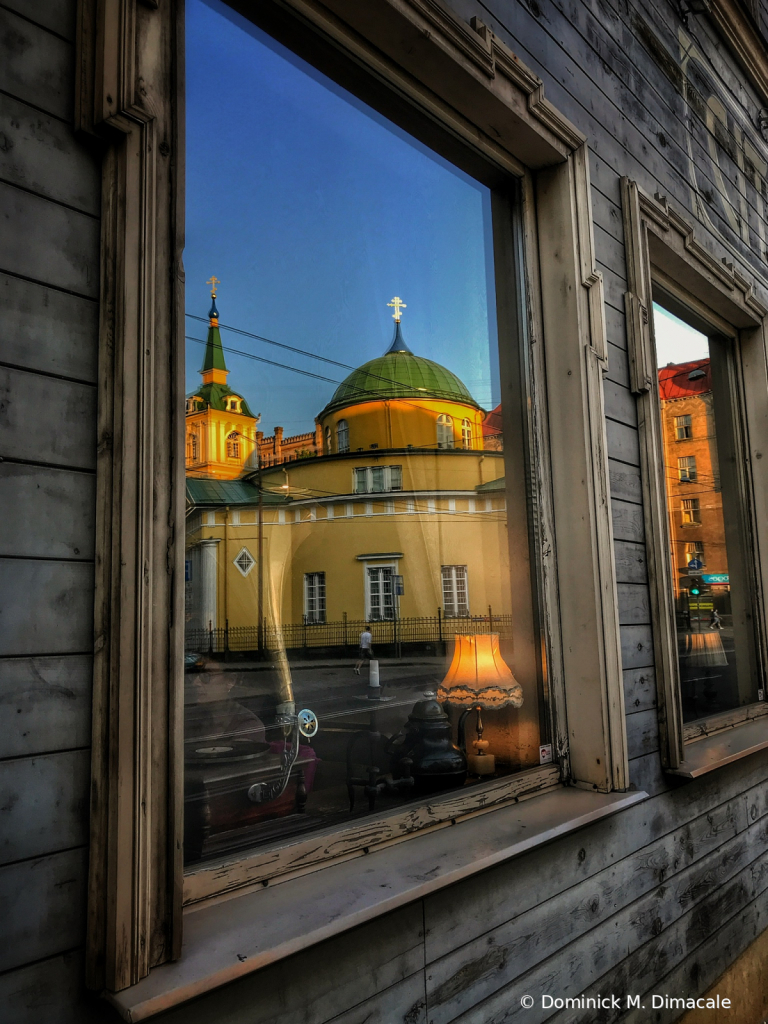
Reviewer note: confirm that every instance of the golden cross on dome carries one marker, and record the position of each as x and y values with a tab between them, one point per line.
397	304
213	282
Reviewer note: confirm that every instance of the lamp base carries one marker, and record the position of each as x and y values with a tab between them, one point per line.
481	764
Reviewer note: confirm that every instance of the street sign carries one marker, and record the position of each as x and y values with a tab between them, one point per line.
695	565
399	586
716	577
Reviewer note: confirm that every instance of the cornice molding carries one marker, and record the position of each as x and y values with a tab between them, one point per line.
744	41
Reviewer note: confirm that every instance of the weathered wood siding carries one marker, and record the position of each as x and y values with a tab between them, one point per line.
662	897
49	282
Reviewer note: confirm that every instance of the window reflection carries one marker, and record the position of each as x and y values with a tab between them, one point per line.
706	502
334	562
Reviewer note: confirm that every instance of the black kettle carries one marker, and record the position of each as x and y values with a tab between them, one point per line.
437	763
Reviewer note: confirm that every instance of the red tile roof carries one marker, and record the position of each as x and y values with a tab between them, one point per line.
674	379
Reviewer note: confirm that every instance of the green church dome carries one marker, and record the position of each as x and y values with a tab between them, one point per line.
399	374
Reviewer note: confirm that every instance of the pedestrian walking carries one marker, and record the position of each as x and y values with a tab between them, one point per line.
366	648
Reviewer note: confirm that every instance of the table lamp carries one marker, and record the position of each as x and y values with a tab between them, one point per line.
479	679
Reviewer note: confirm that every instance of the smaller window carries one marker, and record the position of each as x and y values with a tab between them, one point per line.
314	597
455	595
342	436
193	451
686	469
377	479
233	445
444	431
327	440
691	512
694	549
683	428
466	433
245	561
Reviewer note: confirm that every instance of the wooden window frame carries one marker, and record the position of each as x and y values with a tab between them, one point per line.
463	92
663	253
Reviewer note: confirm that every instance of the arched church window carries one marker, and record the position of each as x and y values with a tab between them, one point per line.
444	431
466	433
327	440
342	436
233	445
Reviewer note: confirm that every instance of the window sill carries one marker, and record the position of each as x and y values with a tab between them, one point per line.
704	755
225	940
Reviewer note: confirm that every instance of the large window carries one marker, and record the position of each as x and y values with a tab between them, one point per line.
373	313
707	497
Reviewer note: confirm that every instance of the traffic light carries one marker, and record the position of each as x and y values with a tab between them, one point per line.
695	591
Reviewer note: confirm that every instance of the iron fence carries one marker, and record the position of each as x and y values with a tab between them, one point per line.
345	633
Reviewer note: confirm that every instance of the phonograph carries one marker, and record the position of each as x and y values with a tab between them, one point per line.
236	780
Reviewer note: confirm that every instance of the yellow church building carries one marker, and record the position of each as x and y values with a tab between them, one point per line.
396	517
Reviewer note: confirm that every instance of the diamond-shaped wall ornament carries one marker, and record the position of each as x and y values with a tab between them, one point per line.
245	561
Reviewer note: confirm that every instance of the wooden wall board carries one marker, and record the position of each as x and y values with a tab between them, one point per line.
625	481
639	690
46	607
623	901
47	513
634	603
646	773
43	804
627	521
631	564
695	947
56	15
642	733
51	992
64	431
49	243
695	815
44	907
45	704
636	646
321	984
620	403
622	443
40	154
403	1004
48	330
701	900
36	66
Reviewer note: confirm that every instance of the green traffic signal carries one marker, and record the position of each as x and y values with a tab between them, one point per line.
695	591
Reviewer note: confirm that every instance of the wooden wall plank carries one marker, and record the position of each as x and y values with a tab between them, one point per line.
620	403
40	153
43	804
625	481
646	773
590	920
322	983
49	243
622	443
631	564
56	613
642	733
64	426
639	689
636	646
51	992
403	1004
44	907
36	66
697	812
634	604
45	704
47	513
56	15
627	521
48	330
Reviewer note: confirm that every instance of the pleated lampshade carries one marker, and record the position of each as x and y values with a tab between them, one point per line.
479	676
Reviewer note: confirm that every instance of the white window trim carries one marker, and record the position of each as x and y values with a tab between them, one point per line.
376	564
236	562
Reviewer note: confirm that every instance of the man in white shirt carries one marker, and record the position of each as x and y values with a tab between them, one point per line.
366	650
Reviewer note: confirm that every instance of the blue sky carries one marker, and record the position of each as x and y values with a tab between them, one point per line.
313	212
676	342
